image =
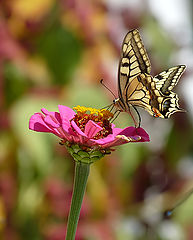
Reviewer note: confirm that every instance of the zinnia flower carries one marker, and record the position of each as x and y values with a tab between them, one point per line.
88	135
89	127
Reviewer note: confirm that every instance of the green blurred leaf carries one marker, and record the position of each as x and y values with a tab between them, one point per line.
15	82
61	50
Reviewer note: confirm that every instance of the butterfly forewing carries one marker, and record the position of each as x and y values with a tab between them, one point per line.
134	50
134	60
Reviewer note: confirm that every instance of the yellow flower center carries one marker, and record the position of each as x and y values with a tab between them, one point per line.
99	116
101	113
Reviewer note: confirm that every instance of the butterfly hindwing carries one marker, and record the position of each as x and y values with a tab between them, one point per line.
164	83
169	105
166	80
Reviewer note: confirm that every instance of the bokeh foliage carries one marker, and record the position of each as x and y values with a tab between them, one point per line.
55	52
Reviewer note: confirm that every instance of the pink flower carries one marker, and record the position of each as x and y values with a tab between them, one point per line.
86	129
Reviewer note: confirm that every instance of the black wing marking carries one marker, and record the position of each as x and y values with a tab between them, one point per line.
166	80
144	93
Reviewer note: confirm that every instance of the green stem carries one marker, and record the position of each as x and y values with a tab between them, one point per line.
80	181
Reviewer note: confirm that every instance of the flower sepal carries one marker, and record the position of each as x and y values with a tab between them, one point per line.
85	154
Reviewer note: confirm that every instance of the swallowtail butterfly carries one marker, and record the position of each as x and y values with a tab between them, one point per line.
137	88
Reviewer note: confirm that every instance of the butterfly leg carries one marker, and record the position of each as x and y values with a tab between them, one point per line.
109	107
137	119
116	114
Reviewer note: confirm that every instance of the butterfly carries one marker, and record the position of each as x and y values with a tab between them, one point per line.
137	88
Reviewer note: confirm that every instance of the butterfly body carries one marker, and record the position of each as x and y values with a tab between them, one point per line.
137	88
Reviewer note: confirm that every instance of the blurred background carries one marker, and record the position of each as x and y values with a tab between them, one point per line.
55	52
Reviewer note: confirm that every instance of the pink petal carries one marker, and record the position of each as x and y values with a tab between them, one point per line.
116	131
108	139
66	113
144	135
91	129
54	119
77	129
45	111
135	138
134	132
128	131
55	115
119	140
112	137
50	121
122	136
37	123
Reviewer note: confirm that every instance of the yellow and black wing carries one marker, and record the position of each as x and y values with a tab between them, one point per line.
154	93
134	61
164	84
167	80
138	88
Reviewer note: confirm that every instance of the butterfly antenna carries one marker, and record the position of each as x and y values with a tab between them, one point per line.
169	212
101	81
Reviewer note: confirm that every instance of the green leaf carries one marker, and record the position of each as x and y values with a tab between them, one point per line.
61	50
15	82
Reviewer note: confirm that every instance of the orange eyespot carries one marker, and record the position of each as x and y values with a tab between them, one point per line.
156	112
